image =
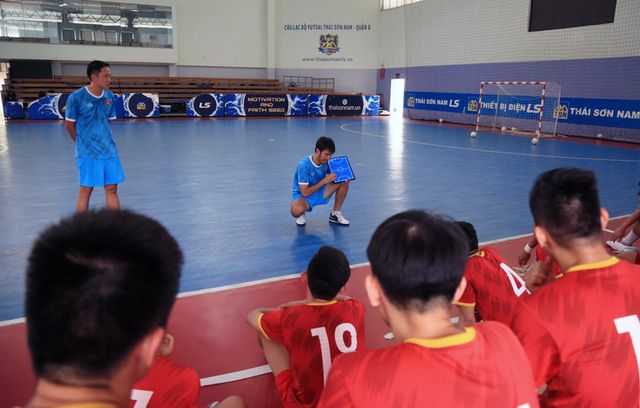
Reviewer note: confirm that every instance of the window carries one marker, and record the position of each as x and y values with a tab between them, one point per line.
86	21
389	4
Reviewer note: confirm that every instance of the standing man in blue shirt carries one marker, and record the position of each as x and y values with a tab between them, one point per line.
88	112
313	184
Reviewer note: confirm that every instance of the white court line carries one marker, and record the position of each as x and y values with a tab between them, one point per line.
343	127
3	147
251	283
291	276
13	321
235	376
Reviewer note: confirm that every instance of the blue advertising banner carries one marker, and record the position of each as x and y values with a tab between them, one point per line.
207	104
13	110
344	105
140	105
265	105
51	106
619	113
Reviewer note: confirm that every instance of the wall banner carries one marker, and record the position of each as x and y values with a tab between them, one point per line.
140	105
208	104
344	105
618	113
51	106
265	105
13	110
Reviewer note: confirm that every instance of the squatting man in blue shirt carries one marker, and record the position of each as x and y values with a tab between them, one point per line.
313	184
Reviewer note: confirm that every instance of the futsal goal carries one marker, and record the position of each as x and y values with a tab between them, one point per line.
529	108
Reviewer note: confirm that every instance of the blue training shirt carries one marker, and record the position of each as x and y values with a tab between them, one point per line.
308	173
91	114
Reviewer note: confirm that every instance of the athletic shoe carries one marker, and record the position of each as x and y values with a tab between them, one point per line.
301	221
337	218
618	247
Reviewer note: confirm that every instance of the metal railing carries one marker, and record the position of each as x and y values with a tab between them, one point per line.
308	82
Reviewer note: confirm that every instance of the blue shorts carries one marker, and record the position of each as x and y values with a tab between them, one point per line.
314	199
99	172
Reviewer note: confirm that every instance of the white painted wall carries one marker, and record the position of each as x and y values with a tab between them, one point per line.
359	48
391	38
449	32
222	33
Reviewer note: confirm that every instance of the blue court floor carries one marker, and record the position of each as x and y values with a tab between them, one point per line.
223	187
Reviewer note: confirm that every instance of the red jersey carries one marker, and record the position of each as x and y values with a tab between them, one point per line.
483	367
579	333
492	287
314	334
167	384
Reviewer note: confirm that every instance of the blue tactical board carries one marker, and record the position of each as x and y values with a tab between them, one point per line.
341	167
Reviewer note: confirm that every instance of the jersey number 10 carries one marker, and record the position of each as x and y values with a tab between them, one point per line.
325	349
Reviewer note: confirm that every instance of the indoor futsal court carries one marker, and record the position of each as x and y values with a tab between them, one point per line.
434	108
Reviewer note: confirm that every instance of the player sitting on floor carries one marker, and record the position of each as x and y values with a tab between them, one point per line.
417	262
580	330
493	288
170	384
300	339
313	184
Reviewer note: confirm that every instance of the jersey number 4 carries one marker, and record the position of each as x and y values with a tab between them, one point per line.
518	285
325	349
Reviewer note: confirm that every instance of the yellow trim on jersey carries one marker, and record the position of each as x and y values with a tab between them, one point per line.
465	304
477	253
595	265
559	275
455	340
260	326
333	302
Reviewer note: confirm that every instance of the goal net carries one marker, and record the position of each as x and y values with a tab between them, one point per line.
530	108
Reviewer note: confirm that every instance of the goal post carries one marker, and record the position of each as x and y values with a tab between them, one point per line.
525	107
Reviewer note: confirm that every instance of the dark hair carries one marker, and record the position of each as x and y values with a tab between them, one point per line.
95	67
328	271
565	202
97	283
470	232
326	143
418	257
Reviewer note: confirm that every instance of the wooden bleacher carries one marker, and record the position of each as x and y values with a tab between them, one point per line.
169	89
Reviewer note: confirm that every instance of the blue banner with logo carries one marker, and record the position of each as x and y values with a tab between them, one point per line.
619	113
344	105
51	106
13	110
140	105
206	105
265	105
54	105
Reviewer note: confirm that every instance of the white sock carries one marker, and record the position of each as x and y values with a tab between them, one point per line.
335	212
630	238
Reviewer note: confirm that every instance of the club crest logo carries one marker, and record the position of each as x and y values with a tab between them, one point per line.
472	106
411	102
107	102
141	106
329	44
561	112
